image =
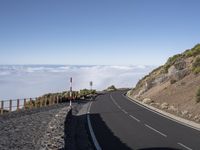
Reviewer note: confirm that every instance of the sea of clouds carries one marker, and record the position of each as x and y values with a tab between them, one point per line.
24	81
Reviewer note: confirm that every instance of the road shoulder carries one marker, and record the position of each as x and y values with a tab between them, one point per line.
180	120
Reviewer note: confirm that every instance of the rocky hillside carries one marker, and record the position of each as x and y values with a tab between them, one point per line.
174	86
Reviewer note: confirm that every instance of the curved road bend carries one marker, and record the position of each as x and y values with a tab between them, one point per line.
119	123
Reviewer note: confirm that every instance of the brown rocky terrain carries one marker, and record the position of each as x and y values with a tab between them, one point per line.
174	86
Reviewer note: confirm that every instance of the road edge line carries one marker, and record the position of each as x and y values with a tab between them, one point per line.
167	115
95	142
184	146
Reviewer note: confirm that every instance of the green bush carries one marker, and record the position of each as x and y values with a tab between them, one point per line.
196	66
86	92
193	52
198	96
196	70
189	53
171	61
111	88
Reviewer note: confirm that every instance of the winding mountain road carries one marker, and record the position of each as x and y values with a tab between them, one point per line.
119	123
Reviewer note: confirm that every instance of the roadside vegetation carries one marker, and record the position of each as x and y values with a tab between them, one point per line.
171	61
198	95
51	98
192	52
188	53
196	66
86	92
111	88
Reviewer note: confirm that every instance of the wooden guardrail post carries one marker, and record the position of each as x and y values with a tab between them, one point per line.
54	99
45	101
50	100
24	104
30	104
17	104
10	105
36	102
2	107
57	99
40	102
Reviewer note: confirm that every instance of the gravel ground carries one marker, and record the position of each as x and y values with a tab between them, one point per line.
54	137
23	130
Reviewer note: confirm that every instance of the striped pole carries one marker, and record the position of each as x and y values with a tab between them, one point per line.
91	83
70	92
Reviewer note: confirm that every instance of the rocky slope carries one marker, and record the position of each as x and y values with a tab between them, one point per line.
174	86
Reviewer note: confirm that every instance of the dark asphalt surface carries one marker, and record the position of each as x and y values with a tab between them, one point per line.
121	124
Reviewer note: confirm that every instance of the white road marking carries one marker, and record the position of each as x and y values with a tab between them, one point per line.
134	118
97	146
124	111
118	104
155	130
89	108
184	146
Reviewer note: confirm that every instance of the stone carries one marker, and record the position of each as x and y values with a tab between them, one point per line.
31	126
189	116
177	74
180	65
172	108
196	117
164	106
172	70
184	113
156	104
160	79
147	101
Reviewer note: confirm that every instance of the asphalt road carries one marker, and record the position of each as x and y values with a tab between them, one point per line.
119	123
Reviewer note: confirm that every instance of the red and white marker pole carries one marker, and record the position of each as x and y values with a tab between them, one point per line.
70	93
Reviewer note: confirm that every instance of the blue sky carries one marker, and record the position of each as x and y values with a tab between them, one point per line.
96	32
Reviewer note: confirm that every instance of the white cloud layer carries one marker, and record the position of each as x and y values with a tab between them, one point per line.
23	81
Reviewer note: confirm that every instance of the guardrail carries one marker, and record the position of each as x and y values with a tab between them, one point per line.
7	106
28	103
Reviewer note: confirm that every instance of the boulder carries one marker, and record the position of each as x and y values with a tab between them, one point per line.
172	108
180	64
140	93
196	118
172	70
164	106
176	74
156	104
162	78
185	112
148	84
147	101
189	116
